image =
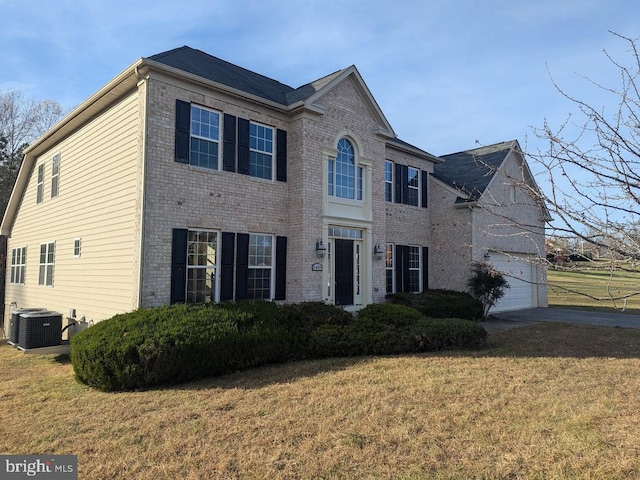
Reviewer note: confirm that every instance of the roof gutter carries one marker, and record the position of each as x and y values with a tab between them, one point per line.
413	151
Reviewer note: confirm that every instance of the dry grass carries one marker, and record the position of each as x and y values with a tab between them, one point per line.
548	401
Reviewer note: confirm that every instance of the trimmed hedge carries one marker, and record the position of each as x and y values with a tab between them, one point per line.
173	344
441	304
176	343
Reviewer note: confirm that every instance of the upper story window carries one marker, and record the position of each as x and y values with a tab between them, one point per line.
205	138
55	175
260	151
344	176
388	181
40	185
409	185
413	187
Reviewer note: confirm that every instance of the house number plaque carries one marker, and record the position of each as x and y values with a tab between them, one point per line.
316	267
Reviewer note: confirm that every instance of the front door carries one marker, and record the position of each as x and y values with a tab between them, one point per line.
344	271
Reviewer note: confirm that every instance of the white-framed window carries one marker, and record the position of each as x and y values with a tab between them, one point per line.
388	181
389	265
77	247
18	264
202	266
55	175
512	193
204	147
47	261
40	184
344	175
345	232
414	269
260	151
260	275
413	187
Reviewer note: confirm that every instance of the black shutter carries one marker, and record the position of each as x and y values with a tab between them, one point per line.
242	266
425	268
405	268
398	268
229	144
398	183
228	254
405	184
179	265
424	185
281	268
243	146
183	121
281	155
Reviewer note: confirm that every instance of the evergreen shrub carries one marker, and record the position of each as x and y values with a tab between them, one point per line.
177	343
441	304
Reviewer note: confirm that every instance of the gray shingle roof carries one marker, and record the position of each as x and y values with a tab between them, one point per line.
212	68
220	71
472	170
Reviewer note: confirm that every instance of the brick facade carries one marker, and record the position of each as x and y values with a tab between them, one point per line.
135	120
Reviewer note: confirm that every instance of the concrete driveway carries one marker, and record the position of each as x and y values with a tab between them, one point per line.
519	318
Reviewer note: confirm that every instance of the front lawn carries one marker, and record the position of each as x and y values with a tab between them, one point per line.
549	401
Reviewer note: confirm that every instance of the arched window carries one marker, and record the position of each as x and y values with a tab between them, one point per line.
344	176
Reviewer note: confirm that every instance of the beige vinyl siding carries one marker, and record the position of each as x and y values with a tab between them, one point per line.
97	202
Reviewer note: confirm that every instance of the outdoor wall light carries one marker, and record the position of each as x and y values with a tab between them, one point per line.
321	250
487	257
378	251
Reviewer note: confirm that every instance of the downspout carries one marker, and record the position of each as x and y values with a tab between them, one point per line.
142	79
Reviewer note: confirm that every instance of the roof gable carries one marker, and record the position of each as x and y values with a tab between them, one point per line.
201	64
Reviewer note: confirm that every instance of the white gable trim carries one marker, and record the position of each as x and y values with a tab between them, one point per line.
385	128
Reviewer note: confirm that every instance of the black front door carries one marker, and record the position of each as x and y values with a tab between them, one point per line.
344	271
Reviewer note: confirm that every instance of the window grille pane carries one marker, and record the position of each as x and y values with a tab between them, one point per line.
330	179
345	170
261	151
413	190
201	266
414	269
259	283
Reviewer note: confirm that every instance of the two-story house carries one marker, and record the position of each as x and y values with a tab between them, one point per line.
188	178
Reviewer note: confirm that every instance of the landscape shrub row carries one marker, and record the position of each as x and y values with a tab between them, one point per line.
441	304
177	343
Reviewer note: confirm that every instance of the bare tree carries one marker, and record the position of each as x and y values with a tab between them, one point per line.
591	166
22	120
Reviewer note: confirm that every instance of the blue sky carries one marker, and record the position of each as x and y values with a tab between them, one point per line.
444	73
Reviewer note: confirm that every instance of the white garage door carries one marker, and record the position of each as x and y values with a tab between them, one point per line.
520	275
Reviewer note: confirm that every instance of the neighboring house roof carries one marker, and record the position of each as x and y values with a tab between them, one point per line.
471	171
